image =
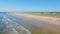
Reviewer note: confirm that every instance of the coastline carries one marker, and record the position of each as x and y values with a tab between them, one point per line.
52	20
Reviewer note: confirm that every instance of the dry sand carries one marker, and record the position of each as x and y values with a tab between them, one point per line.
52	20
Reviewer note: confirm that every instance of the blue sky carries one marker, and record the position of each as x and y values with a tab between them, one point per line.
30	5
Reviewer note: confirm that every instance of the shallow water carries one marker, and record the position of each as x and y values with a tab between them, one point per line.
13	24
8	26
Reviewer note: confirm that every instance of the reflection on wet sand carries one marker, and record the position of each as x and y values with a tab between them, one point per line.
13	24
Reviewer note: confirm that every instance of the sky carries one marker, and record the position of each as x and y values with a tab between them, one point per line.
30	5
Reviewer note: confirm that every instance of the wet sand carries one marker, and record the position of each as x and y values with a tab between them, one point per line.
36	25
33	25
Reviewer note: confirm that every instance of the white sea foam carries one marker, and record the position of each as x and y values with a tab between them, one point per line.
10	29
13	27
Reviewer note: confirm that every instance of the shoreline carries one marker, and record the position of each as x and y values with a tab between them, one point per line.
41	18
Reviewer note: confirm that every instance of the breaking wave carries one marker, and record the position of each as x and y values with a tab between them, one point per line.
9	27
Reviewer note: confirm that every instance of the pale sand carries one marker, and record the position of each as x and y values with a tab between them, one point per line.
52	20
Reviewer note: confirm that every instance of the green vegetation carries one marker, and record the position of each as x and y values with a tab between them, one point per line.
52	14
43	30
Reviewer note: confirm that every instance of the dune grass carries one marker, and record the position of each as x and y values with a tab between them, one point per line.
51	14
43	30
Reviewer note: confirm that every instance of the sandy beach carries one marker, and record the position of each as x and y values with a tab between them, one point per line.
52	20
